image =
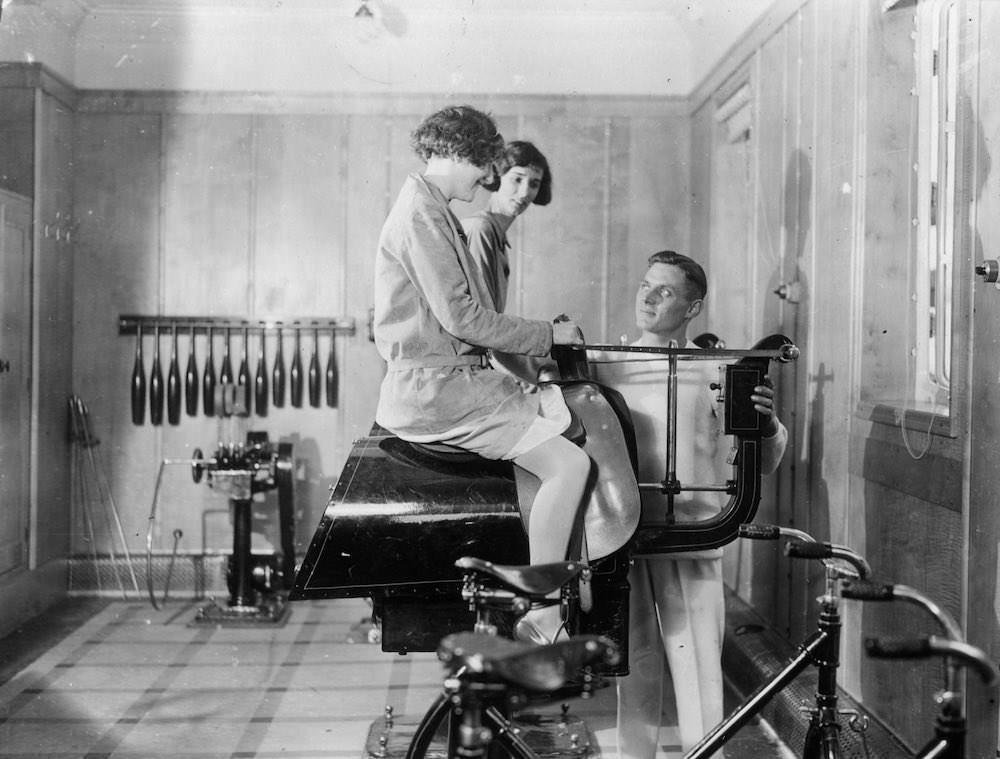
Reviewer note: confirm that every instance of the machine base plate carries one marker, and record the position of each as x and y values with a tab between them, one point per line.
555	735
270	612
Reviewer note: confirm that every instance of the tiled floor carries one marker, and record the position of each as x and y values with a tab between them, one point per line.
133	682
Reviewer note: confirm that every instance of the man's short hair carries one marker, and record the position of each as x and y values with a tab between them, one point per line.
693	273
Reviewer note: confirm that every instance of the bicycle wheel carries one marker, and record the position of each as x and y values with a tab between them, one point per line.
436	716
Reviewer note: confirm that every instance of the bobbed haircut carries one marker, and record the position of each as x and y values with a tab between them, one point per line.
459	132
694	275
522	153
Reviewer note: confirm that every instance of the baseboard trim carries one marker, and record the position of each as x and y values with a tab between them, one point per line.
754	653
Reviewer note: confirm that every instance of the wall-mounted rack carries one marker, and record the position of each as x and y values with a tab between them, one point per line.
227	392
128	324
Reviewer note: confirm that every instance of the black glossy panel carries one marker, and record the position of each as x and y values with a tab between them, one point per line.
395	528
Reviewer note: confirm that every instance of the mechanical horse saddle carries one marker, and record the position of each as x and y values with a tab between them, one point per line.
401	515
611	506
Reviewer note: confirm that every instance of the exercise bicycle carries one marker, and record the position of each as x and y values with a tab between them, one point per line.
490	677
821	649
950	724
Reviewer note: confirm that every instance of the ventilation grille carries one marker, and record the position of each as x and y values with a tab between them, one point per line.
192	576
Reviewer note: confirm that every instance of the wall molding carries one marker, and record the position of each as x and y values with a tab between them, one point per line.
148	101
38	76
744	49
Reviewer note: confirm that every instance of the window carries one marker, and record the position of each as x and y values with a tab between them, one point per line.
936	211
917	207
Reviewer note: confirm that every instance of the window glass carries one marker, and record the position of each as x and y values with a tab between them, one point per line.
937	69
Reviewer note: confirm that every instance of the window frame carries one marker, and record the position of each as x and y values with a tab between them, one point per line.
940	417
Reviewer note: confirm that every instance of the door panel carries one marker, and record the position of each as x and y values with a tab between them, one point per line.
15	355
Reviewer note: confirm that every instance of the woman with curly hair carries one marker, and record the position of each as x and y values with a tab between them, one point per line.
435	323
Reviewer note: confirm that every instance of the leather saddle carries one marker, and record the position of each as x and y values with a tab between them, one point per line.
601	425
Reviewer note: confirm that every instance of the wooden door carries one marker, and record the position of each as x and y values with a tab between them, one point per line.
15	377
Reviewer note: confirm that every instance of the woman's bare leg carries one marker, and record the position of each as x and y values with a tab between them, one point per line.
562	468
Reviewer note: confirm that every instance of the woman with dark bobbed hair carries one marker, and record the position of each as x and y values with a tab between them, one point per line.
435	322
525	179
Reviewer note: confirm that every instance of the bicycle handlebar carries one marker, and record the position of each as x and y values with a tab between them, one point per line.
922	648
805	550
876	591
805	546
771	532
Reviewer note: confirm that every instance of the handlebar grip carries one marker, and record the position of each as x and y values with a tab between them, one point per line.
921	648
864	590
800	549
759	531
898	648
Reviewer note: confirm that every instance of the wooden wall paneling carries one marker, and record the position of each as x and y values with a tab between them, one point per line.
298	269
652	211
399	160
830	388
15	379
618	286
797	318
53	307
771	83
370	188
769	76
299	212
702	157
17	140
562	274
732	295
116	208
205	263
207	190
887	213
983	524
916	543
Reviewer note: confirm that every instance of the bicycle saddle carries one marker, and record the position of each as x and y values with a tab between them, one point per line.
534	668
530	579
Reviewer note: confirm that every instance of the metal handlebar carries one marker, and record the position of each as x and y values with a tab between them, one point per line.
805	546
801	549
923	648
874	591
783	353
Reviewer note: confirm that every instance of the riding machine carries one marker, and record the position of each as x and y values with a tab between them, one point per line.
402	514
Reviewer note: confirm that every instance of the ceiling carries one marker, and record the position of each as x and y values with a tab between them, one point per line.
634	47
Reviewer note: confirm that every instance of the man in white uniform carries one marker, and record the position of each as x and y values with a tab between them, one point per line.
677	600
